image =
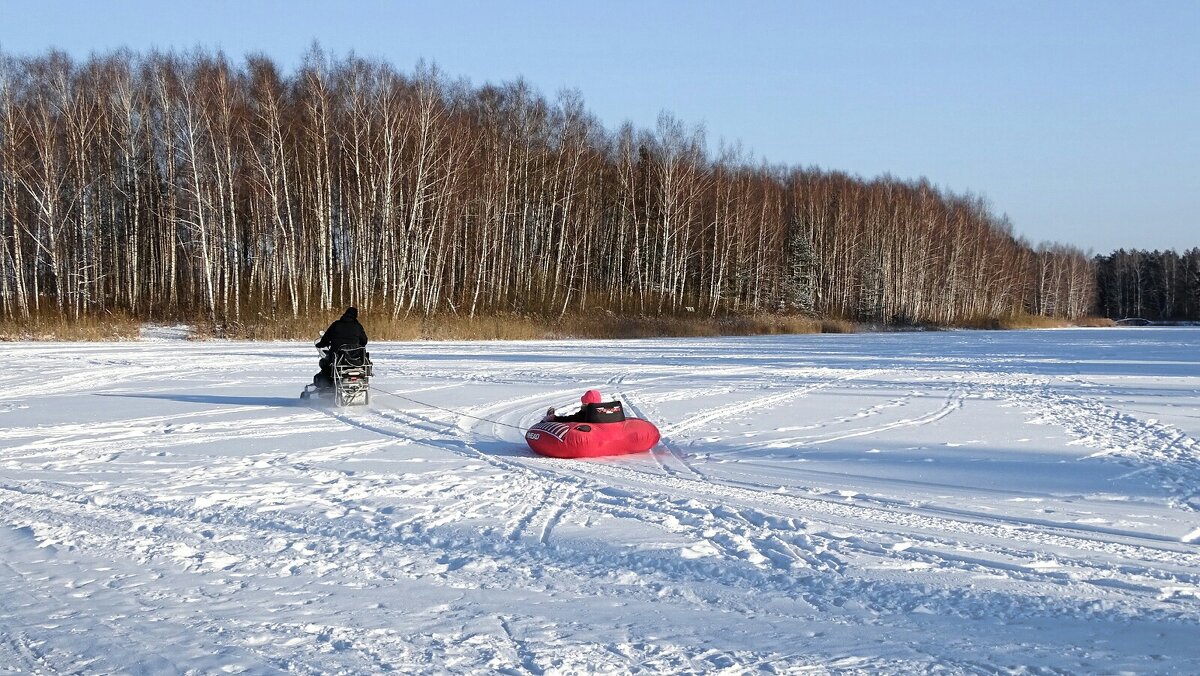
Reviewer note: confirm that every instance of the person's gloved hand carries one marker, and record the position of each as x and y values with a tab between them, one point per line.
549	414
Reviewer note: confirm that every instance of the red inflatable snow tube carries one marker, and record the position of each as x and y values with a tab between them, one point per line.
592	440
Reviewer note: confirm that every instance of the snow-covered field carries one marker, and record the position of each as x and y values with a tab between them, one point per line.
960	501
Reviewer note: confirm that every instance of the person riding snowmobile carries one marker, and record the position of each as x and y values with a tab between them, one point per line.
343	334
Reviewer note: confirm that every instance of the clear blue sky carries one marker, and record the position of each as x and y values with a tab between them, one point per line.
1080	120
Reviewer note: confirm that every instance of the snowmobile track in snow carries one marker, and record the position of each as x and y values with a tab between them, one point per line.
956	502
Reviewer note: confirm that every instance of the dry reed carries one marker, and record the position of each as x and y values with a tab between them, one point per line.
51	326
1094	322
526	327
602	325
1016	321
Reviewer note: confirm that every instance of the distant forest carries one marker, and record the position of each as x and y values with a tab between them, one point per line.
1154	285
170	185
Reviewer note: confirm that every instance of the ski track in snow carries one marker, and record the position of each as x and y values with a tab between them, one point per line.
961	502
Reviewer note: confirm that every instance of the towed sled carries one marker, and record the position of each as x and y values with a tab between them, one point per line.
349	379
604	430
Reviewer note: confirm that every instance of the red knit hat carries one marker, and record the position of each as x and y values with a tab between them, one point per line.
591	397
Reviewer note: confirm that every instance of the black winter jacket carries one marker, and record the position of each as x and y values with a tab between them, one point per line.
344	332
604	412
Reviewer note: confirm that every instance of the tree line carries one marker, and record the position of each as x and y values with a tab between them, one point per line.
187	185
1154	285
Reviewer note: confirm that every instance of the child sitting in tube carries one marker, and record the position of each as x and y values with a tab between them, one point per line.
592	409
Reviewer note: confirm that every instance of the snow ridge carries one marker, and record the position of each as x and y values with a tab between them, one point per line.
941	502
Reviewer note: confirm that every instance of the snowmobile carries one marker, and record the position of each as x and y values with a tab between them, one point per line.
349	382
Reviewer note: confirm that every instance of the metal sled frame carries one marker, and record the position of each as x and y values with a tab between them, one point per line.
351	378
351	370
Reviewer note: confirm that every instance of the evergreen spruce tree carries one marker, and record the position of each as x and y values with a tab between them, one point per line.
800	273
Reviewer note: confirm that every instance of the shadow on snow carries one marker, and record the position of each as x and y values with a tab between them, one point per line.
219	399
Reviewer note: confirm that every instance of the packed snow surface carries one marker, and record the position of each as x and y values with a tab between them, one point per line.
957	501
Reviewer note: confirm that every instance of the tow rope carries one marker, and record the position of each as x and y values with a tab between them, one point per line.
443	408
